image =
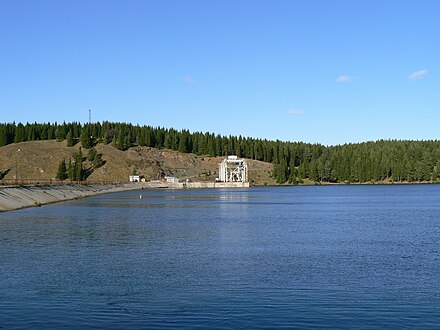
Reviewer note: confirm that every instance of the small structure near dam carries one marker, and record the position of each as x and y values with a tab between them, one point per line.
233	172
232	169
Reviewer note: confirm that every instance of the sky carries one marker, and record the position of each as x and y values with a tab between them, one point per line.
329	72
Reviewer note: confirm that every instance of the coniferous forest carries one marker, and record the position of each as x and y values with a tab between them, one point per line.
392	160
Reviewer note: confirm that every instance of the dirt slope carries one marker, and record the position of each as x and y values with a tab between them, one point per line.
38	160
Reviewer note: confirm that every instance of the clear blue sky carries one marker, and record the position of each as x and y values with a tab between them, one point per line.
329	72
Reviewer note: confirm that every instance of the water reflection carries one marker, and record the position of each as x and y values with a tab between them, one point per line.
296	257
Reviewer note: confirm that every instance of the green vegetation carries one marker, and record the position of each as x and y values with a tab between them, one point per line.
78	173
392	160
75	171
86	138
69	138
95	158
62	171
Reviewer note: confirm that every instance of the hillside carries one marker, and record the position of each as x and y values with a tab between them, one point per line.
294	162
38	160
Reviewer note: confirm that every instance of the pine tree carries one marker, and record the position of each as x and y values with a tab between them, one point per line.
173	143
281	172
78	170
127	141
62	171
19	133
51	132
148	137
59	134
119	141
141	138
168	141
98	161
69	138
183	143
43	135
313	169
106	139
210	147
70	170
3	136
436	171
159	138
85	138
29	132
92	154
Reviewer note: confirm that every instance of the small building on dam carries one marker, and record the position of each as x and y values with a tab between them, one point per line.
233	170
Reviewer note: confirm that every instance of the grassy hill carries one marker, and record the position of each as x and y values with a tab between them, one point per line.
38	160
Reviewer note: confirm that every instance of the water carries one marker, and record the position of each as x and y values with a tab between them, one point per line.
294	257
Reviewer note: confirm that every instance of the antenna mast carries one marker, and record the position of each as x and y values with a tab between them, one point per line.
90	117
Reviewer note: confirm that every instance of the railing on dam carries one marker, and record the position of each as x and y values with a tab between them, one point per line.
43	182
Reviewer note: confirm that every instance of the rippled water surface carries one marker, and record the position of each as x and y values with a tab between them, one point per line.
330	257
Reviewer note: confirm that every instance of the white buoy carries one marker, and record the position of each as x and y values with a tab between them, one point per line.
140	196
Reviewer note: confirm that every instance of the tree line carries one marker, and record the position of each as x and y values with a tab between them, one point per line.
395	160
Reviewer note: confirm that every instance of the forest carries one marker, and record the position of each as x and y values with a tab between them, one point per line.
383	160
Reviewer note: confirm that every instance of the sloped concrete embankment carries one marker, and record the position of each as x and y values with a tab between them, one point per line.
12	198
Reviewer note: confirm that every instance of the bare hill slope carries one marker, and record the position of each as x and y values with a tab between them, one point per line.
38	160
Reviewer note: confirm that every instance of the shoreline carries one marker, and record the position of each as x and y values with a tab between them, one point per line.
19	197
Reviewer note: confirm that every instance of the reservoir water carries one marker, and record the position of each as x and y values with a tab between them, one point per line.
295	257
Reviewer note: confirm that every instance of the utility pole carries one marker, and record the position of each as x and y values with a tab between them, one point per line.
90	123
